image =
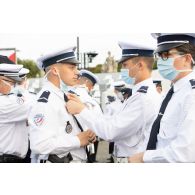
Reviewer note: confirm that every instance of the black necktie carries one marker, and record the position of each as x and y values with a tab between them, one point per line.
156	125
80	127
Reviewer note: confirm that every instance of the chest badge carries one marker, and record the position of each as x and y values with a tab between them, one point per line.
68	127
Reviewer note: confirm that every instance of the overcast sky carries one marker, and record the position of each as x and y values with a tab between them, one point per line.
32	46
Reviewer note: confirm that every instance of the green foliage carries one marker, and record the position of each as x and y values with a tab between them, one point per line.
31	65
119	67
155	65
96	69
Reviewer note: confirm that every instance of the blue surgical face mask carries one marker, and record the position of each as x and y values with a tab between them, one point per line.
18	90
126	78
167	70
63	86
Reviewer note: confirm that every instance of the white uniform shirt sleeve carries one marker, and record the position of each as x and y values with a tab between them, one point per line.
14	109
182	148
47	137
121	125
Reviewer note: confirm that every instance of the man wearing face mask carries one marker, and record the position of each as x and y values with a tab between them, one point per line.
20	90
130	127
85	85
172	137
55	135
21	87
13	116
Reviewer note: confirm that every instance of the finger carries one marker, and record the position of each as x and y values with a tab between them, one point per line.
73	97
93	138
92	135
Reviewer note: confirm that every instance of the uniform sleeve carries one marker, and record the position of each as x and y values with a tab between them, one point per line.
43	137
121	125
182	148
16	109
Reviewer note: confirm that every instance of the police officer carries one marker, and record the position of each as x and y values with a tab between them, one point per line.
55	135
13	117
130	127
172	137
86	83
20	90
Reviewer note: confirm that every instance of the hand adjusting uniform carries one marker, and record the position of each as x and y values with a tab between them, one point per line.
130	127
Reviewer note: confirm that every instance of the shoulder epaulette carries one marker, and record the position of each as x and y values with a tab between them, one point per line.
44	97
192	82
143	89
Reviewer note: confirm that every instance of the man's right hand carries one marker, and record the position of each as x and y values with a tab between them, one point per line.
86	137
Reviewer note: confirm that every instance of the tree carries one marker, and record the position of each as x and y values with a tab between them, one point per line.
155	65
119	67
31	65
96	69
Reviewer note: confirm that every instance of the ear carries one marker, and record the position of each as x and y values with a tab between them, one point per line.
54	71
141	64
188	60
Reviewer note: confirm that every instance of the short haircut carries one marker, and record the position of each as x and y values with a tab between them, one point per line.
187	49
148	60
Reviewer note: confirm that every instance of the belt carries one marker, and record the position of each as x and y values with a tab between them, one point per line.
9	158
53	158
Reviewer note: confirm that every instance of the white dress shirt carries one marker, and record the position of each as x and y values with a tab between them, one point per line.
130	127
176	138
13	125
48	121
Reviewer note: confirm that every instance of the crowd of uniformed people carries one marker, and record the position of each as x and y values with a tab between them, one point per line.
63	123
